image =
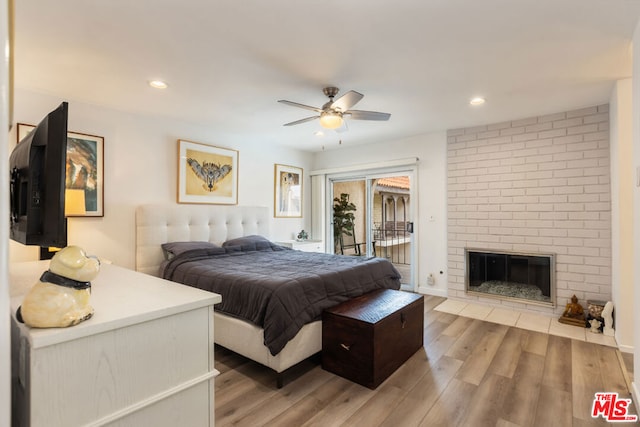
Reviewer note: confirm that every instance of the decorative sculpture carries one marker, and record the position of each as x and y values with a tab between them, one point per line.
573	314
607	315
595	326
61	296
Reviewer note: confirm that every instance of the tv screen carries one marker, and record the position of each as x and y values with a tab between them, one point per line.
37	187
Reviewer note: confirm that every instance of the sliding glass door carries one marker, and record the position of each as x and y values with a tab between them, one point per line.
372	215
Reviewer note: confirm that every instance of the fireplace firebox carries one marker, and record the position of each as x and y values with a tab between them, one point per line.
528	277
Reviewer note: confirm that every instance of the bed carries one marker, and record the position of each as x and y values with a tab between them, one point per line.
239	233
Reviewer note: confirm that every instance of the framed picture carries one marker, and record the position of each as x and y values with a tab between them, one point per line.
85	171
288	192
207	174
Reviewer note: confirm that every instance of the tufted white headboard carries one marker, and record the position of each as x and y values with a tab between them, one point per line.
158	224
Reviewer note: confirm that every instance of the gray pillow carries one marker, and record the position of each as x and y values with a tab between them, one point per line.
173	249
248	243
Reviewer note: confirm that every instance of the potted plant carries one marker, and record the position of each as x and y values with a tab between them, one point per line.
343	217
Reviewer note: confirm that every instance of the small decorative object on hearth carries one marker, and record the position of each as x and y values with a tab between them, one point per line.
607	315
594	312
303	235
595	326
573	314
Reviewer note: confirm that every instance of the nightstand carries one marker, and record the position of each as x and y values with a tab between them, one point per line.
303	245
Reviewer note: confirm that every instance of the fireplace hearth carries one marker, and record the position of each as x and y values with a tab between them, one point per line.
511	275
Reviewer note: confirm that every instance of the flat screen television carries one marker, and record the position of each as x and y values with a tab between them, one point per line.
37	187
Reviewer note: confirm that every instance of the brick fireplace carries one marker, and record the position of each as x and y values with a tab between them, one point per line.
537	185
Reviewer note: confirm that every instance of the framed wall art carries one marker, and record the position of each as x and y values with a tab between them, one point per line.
207	174
288	192
85	171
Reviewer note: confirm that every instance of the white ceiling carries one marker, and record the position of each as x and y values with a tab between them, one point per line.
228	61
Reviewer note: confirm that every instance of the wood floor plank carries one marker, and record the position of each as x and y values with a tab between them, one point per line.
299	403
438	347
554	407
233	385
349	398
586	364
407	375
452	407
505	423
378	407
521	403
612	376
482	354
264	402
586	378
485	406
536	342
432	302
420	399
433	330
507	357
458	326
558	366
468	340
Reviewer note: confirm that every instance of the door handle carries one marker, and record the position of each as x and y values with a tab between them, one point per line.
409	227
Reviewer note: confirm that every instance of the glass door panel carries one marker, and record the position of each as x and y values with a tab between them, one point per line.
372	216
392	222
350	217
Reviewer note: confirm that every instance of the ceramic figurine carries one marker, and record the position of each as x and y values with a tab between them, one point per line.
607	315
595	326
61	296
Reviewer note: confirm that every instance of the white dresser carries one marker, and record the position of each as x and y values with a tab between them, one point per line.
145	358
303	245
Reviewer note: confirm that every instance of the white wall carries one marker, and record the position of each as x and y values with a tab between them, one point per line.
621	146
636	207
432	199
5	343
141	167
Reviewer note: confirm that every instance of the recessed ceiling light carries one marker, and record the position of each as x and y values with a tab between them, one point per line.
158	84
319	133
478	100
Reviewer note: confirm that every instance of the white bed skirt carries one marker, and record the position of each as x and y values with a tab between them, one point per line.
247	339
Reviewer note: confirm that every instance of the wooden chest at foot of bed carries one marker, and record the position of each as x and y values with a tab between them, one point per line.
367	338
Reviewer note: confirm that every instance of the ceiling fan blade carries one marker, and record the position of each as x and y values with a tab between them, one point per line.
367	115
297	122
306	107
347	100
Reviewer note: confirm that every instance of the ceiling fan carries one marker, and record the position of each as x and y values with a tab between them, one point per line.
332	113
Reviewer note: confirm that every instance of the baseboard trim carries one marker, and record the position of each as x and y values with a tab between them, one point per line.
626	348
431	291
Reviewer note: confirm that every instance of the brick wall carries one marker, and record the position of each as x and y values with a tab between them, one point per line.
534	185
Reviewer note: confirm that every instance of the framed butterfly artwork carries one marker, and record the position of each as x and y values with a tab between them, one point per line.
207	174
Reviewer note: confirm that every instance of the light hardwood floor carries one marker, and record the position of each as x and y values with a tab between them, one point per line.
470	373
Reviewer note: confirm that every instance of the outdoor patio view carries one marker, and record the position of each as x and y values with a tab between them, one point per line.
390	219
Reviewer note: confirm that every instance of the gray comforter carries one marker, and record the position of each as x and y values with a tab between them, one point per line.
277	288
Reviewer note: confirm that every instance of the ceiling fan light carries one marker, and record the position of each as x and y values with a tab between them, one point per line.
330	120
158	84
